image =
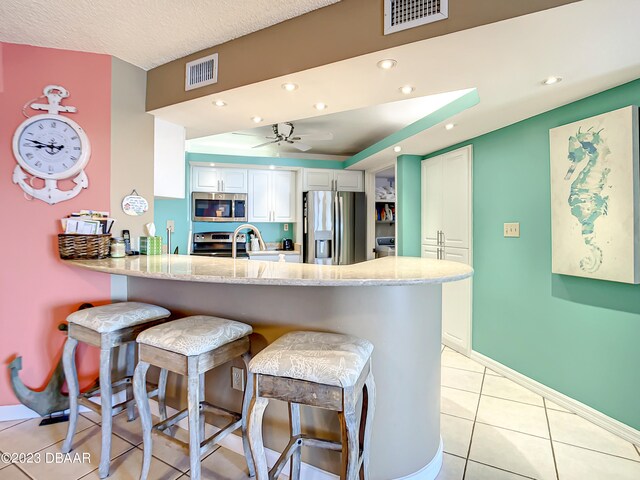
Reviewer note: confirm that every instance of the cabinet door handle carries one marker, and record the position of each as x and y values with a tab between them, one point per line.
443	239
222	185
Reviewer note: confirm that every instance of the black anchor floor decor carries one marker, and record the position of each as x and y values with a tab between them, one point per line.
49	402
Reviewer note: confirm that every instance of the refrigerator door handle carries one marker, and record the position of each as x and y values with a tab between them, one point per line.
340	228
335	231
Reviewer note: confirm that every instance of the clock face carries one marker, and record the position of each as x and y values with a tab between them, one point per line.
51	146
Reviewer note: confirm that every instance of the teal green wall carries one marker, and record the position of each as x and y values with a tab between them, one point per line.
178	209
575	335
408	205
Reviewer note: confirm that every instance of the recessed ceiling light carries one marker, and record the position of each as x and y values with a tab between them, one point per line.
220	103
449	126
289	87
212	164
397	148
256	119
387	64
551	80
272	167
320	106
407	89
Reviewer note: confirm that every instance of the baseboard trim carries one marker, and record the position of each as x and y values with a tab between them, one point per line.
429	471
588	413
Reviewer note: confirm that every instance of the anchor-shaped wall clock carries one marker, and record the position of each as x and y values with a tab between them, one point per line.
51	147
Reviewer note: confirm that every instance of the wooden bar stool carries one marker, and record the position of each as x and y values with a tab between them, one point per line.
191	346
324	370
107	327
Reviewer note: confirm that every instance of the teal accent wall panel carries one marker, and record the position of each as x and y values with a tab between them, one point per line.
408	205
576	335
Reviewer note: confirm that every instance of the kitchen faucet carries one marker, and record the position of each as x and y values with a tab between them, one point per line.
234	247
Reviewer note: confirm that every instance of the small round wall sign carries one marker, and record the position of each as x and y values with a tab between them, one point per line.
134	204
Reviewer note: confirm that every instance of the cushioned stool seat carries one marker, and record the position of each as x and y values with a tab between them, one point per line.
324	370
327	358
194	335
112	317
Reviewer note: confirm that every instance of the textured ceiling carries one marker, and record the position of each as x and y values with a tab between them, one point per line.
146	33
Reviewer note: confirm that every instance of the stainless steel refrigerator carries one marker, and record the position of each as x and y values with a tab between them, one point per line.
334	227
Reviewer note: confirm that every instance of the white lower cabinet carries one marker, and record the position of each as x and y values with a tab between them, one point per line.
272	196
456	300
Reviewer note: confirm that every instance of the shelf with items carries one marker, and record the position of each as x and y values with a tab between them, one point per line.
385	212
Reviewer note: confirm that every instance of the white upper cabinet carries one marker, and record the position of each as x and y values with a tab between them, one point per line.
168	159
327	179
227	180
272	196
349	181
446	190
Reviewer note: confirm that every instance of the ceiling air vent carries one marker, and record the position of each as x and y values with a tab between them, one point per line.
201	72
403	14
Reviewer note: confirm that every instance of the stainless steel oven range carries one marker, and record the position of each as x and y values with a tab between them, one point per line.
218	244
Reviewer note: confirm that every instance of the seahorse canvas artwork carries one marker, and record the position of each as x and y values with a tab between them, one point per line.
595	197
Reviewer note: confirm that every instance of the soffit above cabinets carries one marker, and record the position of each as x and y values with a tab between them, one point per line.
504	66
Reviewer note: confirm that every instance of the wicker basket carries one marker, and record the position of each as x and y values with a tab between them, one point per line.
74	246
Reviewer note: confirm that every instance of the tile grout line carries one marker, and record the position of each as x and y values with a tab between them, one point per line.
473	427
553	451
516	401
110	460
24	472
637	449
512	430
460	389
16	424
598	451
503	469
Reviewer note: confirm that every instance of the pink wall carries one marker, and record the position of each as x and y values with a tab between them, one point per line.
37	291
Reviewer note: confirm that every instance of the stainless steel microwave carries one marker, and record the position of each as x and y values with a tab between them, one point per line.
219	207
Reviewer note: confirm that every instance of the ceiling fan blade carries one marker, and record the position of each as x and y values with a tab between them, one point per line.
300	146
315	136
246	134
266	143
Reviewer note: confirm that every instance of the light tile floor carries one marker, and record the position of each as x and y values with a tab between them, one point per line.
492	429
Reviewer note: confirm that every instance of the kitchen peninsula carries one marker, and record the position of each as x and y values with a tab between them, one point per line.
395	302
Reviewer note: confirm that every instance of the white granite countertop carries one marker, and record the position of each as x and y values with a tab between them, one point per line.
378	272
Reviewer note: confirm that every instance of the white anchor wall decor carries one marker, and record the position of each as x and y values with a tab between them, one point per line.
51	147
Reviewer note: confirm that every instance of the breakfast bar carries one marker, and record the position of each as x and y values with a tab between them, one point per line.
394	302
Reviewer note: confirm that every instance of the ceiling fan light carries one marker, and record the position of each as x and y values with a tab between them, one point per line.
320	106
449	126
407	89
397	148
220	103
387	64
289	87
256	119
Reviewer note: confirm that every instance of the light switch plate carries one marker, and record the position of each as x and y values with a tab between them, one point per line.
171	225
512	229
286	227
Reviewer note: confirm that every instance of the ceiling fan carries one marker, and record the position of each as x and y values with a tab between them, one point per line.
283	133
